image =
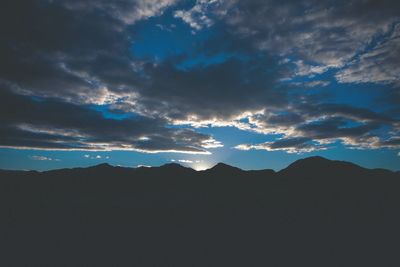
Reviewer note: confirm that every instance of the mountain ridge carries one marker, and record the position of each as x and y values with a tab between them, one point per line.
307	162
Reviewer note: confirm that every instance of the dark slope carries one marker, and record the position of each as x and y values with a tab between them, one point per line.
322	167
316	212
318	165
223	168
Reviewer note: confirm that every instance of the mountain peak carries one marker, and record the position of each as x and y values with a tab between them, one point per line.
317	165
101	166
310	162
174	166
224	167
313	159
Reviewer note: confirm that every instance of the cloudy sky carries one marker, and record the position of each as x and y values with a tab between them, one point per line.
253	83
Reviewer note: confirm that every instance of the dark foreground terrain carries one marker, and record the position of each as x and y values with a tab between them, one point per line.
316	212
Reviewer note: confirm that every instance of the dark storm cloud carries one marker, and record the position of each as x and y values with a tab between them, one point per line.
335	127
347	111
393	142
40	38
49	124
298	142
219	91
79	52
307	112
285	119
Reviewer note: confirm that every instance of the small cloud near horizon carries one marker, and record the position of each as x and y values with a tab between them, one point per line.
43	158
87	156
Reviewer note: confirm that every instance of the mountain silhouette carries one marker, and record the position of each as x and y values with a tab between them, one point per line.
318	165
173	167
315	212
223	169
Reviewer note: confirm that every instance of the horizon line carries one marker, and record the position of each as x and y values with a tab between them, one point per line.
187	167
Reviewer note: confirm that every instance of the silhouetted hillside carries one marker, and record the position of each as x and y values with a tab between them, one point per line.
316	212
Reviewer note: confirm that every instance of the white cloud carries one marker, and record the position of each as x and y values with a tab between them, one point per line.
268	146
87	156
312	84
185	161
43	158
197	17
329	34
378	65
303	69
145	9
127	12
211	143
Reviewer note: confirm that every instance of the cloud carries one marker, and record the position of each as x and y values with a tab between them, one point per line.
87	156
185	161
312	84
77	51
197	17
379	65
289	145
324	34
43	158
128	12
393	142
88	63
80	54
55	125
46	46
217	91
320	126
303	69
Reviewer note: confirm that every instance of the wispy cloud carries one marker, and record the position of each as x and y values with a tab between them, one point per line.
187	161
87	156
43	158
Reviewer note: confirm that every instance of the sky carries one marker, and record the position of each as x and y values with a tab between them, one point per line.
253	83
